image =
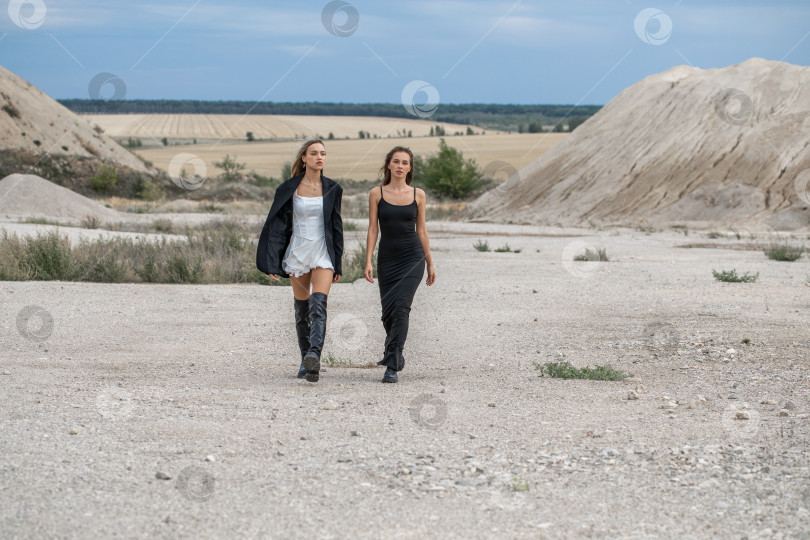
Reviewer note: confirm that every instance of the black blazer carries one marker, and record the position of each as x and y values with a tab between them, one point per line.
277	229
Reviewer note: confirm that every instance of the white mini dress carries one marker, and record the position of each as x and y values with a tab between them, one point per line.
307	249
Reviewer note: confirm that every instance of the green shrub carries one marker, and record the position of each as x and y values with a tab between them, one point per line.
448	174
564	370
730	276
783	251
481	245
105	179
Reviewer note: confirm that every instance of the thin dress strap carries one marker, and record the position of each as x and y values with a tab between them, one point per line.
381	195
414	194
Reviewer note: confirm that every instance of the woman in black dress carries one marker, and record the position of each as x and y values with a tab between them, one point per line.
404	251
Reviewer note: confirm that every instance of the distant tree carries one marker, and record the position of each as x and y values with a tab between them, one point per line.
165	141
520	128
575	121
249	136
536	127
231	168
362	134
331	136
431	131
470	131
440	131
448	174
559	127
410	133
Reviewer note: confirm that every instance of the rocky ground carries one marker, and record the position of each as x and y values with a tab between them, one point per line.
152	411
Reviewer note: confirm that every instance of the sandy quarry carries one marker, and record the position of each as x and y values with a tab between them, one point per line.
173	411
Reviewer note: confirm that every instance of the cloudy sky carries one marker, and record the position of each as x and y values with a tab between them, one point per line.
465	51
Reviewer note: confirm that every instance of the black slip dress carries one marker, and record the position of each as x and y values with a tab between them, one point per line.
400	267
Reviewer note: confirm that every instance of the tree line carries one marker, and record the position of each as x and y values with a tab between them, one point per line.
490	116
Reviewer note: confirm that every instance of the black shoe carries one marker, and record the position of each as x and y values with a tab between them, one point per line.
312	367
302	331
390	376
317	333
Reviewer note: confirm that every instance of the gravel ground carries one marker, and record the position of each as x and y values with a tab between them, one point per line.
152	411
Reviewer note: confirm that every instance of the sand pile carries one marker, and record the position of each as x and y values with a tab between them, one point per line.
724	146
31	120
28	196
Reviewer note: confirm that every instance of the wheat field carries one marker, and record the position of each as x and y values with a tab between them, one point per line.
225	127
360	159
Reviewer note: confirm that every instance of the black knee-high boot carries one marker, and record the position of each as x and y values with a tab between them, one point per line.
302	330
317	334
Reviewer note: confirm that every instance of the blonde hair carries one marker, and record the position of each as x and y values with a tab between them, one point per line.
298	166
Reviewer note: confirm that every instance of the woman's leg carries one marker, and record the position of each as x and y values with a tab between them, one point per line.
300	287
321	283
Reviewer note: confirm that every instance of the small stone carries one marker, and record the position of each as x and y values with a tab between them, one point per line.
355	433
160	475
6	373
731	351
783	412
632	396
790	406
742	415
330	405
73	431
210	458
490	404
443	390
768	402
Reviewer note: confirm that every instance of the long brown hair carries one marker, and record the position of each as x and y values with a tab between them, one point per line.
386	172
298	166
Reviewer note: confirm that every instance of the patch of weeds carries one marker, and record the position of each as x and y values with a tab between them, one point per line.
715	234
163	225
783	251
731	276
746	341
564	370
519	485
350	226
90	222
506	249
593	255
481	245
333	361
646	229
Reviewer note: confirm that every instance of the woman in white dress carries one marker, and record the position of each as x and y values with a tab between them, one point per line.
303	239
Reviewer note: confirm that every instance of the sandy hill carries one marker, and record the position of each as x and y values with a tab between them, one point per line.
31	120
28	195
687	146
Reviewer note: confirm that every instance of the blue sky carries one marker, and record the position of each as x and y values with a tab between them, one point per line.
470	51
